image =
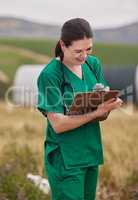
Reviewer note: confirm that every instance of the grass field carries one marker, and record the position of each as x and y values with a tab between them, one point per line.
15	52
22	129
12	57
108	53
21	151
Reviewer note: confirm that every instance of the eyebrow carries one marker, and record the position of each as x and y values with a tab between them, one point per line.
89	48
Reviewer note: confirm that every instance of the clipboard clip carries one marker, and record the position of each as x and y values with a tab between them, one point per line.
99	87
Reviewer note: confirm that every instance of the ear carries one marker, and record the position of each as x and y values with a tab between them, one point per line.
62	45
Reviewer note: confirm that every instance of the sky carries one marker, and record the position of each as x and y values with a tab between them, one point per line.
100	14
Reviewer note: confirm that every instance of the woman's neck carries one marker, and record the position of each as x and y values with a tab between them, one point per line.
70	64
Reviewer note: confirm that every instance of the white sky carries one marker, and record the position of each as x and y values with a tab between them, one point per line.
100	13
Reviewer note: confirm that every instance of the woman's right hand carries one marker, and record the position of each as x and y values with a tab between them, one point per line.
108	106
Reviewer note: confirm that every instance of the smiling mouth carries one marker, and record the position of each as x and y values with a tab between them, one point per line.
81	60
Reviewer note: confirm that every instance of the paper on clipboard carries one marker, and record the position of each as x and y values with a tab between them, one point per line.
88	101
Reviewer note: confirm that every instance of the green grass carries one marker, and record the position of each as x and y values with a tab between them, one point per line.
117	54
108	53
42	46
11	59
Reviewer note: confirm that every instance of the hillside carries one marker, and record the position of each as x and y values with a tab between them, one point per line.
16	27
125	34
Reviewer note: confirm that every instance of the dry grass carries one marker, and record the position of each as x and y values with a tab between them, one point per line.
23	127
120	135
27	127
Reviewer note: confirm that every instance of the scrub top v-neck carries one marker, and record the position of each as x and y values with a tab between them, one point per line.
81	146
73	73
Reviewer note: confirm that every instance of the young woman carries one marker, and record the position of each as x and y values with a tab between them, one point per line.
73	146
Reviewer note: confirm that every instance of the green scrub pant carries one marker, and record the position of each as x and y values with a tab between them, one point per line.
70	184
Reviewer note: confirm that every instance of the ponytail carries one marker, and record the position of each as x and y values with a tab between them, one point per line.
58	51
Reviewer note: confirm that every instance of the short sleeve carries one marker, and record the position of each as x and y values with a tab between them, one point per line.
49	94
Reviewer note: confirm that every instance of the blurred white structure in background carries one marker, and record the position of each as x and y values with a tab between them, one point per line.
24	90
41	183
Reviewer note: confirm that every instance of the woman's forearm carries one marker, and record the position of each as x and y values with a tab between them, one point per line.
62	123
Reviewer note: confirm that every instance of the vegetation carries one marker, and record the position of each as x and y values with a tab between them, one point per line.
21	152
42	46
117	54
12	53
12	57
22	130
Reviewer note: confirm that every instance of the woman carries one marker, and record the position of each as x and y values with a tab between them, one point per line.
73	146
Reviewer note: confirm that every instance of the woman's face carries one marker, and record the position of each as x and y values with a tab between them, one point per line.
76	53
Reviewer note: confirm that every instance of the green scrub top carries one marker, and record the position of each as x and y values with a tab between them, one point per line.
82	146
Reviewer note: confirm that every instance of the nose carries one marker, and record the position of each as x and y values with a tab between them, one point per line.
84	54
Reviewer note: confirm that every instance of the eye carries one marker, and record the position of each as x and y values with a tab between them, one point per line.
78	51
89	49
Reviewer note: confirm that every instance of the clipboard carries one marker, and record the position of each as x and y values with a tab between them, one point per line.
89	101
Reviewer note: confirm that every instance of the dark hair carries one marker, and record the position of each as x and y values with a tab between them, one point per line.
73	30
